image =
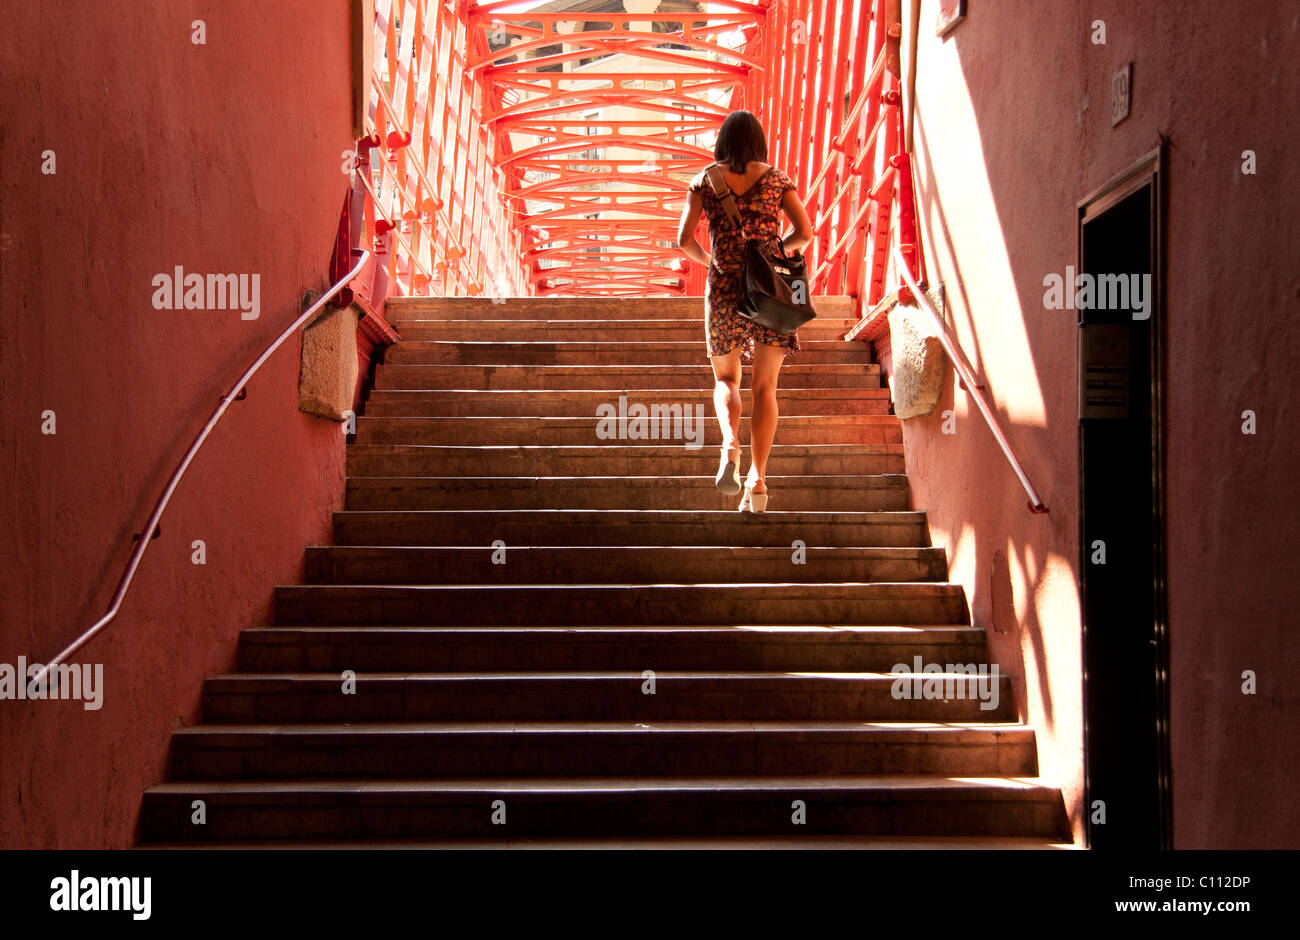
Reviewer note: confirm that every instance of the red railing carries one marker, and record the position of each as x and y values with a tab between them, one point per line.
852	167
830	104
433	209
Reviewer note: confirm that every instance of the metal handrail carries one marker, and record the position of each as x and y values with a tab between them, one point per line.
146	536
972	386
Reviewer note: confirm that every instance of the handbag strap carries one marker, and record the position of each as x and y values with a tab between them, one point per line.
728	199
720	189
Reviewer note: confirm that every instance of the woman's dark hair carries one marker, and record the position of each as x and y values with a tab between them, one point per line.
740	140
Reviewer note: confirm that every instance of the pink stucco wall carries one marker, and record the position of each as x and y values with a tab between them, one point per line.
225	158
1013	129
222	158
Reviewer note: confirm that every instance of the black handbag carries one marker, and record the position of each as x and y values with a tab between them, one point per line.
776	285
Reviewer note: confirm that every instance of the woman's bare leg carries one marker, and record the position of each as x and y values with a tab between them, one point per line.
726	394
762	423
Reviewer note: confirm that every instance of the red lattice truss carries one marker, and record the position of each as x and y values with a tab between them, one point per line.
555	188
472	203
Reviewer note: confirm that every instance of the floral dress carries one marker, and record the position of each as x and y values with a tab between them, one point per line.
760	212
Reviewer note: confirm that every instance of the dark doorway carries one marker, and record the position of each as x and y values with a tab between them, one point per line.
1125	641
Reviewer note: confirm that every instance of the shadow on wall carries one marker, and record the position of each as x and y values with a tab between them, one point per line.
1012	165
992	549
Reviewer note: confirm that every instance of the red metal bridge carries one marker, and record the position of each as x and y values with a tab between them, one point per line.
530	149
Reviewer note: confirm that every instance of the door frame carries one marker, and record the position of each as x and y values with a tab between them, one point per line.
1150	168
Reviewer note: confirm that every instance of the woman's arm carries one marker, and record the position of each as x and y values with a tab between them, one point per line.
686	229
798	215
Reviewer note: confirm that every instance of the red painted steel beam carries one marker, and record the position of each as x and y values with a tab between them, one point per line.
502	157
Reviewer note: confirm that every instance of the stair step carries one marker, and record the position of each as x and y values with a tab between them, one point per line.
548	749
445	649
595	352
679	843
402	311
629	527
584	403
695	432
540	807
613	458
695	377
578	604
473	564
597	696
871	492
630	329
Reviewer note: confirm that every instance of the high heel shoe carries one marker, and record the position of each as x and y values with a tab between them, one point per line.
728	478
751	501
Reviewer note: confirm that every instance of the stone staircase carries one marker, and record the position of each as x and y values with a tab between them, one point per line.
520	691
